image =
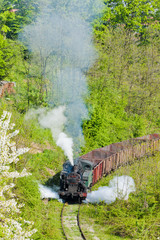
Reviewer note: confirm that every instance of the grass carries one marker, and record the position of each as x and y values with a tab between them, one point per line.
139	216
46	164
92	230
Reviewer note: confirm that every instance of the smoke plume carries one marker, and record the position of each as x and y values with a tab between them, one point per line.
55	121
119	187
61	43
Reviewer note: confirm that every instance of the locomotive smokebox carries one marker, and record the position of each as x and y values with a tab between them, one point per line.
75	180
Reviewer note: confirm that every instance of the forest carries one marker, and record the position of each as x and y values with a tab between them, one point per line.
101	60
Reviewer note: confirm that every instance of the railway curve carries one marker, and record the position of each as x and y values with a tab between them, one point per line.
70	222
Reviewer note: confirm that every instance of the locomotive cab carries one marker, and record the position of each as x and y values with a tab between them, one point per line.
87	176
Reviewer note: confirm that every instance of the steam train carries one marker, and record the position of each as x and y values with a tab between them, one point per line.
76	180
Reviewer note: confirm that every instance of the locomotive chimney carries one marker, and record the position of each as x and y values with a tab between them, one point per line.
75	168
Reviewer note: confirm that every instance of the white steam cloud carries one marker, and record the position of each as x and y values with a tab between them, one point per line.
55	121
66	144
48	192
119	187
61	43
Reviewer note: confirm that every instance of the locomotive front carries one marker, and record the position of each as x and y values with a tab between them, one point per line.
71	184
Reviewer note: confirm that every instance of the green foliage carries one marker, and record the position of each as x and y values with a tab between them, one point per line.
28	96
43	165
45	216
7	57
124	87
13	60
29	187
106	125
14	14
134	15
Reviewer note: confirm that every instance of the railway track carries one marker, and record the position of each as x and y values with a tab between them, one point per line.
70	222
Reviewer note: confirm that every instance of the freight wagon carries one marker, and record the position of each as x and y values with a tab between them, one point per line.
91	167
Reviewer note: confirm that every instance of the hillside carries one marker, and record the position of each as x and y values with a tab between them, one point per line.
98	63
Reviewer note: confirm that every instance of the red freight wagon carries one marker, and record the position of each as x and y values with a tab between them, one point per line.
114	155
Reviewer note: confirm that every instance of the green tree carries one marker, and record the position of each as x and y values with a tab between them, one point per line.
7	55
133	14
124	87
14	14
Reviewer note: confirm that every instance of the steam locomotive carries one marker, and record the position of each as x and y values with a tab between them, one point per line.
91	167
76	180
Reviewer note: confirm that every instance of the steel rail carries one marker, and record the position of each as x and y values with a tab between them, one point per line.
62	222
78	224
